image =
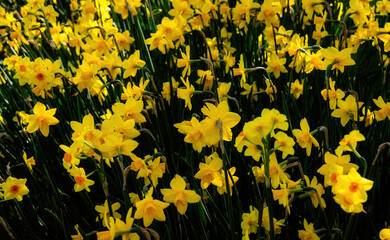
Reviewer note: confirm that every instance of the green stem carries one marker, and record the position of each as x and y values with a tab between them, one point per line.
362	160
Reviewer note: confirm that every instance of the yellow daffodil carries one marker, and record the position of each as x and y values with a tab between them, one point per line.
348	141
29	161
223	89
114	144
347	110
14	188
338	59
210	172
304	138
156	170
186	93
296	89
124	40
335	166
383	7
219	117
358	12
275	65
125	127
282	196
135	91
78	236
284	143
124	228
368	117
149	209
229	61
70	157
231	179
269	13
185	62
194	132
333	94
241	70
130	110
384	109
384	234
241	13
250	221
206	79
308	233
132	64
351	191
134	198
266	224
178	195
139	165
41	119
157	40
104	211
82	182
313	194
166	90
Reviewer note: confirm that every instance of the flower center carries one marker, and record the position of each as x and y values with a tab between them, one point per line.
333	178
23	68
40	77
68	157
15	189
150	211
353	187
131	115
79	180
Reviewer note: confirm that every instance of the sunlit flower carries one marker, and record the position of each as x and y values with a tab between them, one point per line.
335	166
384	109
348	141
195	133
130	110
178	194
14	188
149	209
333	94
166	90
132	64
82	182
41	119
384	234
284	143
219	115
186	93
358	12
351	191
338	59
304	138
347	110
275	65
210	172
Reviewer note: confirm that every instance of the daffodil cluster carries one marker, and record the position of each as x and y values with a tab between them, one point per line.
157	108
